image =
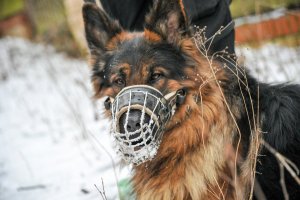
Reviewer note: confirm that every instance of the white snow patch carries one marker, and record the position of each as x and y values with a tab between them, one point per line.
253	19
272	63
51	145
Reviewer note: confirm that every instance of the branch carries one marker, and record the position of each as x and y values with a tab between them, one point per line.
102	192
287	164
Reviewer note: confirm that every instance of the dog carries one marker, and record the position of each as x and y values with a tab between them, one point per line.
212	118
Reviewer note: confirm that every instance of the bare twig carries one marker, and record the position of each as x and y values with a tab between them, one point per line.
200	41
27	164
282	182
284	163
255	141
259	194
241	75
287	164
102	191
110	156
103	188
31	187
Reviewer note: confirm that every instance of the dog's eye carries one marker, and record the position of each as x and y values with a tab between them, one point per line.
155	76
119	82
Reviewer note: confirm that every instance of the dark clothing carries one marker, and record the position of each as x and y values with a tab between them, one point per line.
130	13
211	14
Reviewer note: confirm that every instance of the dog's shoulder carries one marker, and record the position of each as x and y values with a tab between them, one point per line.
280	115
280	126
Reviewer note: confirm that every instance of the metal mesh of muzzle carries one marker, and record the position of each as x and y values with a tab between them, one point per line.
141	144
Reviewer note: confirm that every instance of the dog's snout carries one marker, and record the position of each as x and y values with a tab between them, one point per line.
133	121
139	115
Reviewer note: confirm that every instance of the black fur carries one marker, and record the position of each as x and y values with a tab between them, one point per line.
167	19
277	109
99	28
280	112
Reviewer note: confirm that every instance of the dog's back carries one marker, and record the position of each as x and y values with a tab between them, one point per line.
280	126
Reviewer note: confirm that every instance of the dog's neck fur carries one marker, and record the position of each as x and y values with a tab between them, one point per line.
171	175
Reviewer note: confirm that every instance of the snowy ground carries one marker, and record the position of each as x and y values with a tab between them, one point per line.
271	63
51	145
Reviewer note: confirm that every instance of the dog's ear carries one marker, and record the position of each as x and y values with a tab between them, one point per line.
168	19
99	28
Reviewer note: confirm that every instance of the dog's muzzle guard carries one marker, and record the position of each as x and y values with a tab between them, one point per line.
139	116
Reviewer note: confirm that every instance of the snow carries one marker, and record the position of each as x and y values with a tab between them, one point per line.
52	147
272	63
252	19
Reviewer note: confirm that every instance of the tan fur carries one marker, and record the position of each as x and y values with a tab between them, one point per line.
151	36
182	10
121	37
196	155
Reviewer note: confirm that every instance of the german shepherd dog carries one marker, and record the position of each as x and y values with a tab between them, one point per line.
210	130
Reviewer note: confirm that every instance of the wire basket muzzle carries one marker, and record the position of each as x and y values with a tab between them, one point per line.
139	115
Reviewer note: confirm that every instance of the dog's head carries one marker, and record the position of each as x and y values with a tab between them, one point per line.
152	78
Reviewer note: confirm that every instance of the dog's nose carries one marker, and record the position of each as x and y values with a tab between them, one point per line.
133	121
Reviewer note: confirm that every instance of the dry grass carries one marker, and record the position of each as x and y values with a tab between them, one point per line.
203	44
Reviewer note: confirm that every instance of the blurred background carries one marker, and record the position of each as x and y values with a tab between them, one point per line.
54	142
